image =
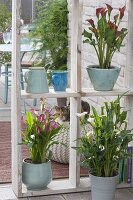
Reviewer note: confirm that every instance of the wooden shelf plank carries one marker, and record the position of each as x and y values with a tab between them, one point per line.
51	94
59	187
91	92
64	186
84	92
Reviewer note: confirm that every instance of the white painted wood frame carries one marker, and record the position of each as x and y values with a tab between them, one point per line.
75	84
15	100
74	183
129	71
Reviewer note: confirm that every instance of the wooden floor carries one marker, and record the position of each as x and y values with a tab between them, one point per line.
6	193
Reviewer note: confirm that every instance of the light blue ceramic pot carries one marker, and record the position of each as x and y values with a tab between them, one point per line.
36	80
36	176
103	79
59	80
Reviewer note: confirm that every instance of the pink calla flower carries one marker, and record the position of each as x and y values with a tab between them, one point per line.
47	128
54	124
39	130
41	118
36	112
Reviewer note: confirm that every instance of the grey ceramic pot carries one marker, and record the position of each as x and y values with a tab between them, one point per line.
103	79
36	176
103	188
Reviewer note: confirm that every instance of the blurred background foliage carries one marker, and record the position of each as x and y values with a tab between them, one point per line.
5	25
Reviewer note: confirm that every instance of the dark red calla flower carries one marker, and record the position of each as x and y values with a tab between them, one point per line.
116	18
94	30
118	33
103	12
123	30
91	22
112	25
109	7
122	10
98	11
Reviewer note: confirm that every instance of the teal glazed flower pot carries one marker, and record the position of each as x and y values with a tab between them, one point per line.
103	79
103	188
36	176
59	80
36	80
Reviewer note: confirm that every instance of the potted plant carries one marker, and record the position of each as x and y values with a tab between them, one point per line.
104	146
50	30
106	37
39	136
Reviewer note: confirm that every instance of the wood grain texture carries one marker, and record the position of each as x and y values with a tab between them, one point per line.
53	197
78	196
123	194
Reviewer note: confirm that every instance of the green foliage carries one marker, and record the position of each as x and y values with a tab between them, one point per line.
5	23
5	18
5	57
40	133
51	30
107	143
106	37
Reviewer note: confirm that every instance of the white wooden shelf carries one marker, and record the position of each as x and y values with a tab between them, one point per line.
91	92
58	187
64	186
84	93
51	94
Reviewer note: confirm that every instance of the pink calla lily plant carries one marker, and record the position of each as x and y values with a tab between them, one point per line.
40	133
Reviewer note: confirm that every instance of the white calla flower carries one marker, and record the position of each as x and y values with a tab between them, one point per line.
89	133
32	136
90	119
81	114
101	147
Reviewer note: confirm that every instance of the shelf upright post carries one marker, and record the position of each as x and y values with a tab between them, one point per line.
75	103
129	71
15	100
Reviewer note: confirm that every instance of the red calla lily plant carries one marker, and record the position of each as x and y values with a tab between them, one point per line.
106	37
